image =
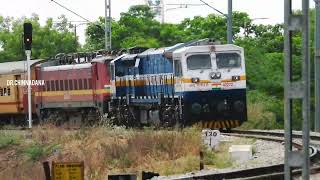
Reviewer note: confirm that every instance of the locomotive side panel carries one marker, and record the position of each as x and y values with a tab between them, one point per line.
68	94
65	88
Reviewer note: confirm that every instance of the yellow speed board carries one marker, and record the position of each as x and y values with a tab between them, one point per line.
67	170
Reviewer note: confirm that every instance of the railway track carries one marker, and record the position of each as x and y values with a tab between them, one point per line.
267	172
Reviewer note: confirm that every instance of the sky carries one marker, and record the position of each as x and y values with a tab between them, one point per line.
273	10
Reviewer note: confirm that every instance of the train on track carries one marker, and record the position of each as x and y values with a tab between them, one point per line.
198	82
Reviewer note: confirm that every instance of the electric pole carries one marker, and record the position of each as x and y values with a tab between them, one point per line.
107	28
158	7
230	34
317	66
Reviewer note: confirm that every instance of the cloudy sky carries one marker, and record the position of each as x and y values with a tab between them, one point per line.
92	9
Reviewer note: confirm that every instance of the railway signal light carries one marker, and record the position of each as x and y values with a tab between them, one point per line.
27	28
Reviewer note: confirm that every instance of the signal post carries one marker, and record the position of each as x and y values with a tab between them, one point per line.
27	27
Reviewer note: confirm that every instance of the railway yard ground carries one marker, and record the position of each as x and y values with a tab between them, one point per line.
107	150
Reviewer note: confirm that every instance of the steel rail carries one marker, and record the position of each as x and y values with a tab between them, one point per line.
276	134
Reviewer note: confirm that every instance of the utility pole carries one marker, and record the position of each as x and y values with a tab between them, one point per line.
230	34
75	36
162	12
108	21
317	67
27	27
158	7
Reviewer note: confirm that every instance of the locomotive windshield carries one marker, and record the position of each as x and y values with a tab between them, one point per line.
199	61
228	60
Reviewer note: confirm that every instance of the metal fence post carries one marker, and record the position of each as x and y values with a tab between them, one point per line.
317	67
297	89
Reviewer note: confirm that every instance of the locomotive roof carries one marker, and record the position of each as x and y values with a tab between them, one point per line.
103	58
224	47
129	57
16	66
161	50
117	58
67	67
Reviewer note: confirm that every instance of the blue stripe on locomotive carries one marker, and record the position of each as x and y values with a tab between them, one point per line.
151	66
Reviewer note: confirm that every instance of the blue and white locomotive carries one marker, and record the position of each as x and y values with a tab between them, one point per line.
199	82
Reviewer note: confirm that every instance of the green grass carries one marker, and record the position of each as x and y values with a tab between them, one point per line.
219	157
35	151
8	140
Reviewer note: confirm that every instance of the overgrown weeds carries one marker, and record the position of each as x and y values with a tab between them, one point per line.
262	112
9	139
35	151
108	150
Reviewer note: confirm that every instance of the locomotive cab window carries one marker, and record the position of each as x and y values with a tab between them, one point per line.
177	68
228	60
199	61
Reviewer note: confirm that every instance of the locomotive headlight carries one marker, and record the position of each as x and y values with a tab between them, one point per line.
195	80
218	75
215	75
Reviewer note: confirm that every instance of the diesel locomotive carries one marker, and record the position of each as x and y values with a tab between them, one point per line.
195	82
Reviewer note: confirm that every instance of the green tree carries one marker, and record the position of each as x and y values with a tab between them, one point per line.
48	40
135	27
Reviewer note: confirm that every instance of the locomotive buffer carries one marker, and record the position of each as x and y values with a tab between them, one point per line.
27	27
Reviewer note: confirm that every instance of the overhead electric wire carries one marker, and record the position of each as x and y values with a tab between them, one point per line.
183	4
71	11
214	8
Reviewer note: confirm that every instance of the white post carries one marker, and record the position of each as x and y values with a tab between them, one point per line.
28	54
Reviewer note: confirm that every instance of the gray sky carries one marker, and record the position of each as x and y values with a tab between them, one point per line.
272	9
